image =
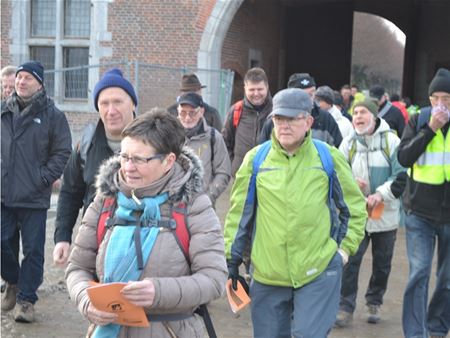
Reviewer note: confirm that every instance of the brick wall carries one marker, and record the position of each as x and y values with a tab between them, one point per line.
5	9
161	32
256	25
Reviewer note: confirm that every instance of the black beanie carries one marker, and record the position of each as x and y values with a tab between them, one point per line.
440	82
35	68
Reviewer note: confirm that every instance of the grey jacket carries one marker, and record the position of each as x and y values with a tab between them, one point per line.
217	174
179	287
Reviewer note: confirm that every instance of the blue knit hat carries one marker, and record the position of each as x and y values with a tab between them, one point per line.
114	78
35	68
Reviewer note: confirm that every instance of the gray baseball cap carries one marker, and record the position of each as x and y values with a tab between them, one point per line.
291	102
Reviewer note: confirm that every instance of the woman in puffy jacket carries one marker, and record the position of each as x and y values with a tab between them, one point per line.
152	176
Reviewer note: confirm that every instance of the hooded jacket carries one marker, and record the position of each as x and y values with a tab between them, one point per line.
369	163
217	174
36	143
179	287
245	136
291	242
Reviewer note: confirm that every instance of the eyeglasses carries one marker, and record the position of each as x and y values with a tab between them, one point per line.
137	160
191	113
444	98
290	121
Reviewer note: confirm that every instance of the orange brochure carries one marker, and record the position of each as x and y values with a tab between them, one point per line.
238	299
376	212
107	297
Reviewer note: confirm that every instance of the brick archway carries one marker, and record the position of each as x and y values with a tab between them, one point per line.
209	53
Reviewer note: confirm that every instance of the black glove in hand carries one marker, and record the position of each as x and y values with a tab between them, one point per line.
233	274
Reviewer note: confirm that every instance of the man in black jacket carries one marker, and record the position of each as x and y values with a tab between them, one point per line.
115	100
191	84
324	127
424	149
36	143
391	114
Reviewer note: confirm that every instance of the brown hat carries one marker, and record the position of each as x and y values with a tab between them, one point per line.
190	83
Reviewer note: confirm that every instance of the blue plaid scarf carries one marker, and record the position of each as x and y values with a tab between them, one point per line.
121	261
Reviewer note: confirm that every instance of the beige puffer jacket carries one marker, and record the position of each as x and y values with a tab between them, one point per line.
179	287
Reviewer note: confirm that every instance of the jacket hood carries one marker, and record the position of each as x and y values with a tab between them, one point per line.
183	182
382	126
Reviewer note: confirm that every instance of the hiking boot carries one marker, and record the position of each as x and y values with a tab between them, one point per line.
343	318
24	312
373	313
9	297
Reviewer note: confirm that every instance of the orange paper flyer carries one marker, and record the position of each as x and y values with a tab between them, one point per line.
238	299
107	297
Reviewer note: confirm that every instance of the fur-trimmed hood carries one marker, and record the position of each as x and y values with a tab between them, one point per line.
183	182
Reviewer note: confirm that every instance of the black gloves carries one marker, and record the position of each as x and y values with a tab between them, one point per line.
233	274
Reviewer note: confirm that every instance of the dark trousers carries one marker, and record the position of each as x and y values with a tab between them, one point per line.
29	273
382	252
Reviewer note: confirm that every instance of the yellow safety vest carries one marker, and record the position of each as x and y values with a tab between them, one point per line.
433	166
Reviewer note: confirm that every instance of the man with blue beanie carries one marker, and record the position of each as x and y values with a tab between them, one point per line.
115	100
36	143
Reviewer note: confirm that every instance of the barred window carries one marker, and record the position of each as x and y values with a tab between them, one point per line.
77	18
43	18
76	81
45	55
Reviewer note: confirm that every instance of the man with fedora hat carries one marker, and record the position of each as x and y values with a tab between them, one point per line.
115	100
36	144
191	84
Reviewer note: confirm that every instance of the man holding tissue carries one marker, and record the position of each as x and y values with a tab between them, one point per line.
425	150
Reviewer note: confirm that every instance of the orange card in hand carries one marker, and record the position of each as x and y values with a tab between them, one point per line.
238	299
107	297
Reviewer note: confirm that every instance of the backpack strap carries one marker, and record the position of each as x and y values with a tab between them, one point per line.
182	235
424	117
238	106
108	208
327	164
259	158
212	141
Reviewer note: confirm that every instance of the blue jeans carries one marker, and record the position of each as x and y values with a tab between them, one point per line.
421	235
29	274
306	312
382	251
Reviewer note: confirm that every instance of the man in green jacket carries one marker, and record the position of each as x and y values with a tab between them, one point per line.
296	263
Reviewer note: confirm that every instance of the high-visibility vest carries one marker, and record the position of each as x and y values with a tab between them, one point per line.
433	166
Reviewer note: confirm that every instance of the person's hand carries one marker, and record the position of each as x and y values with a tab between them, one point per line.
61	253
98	317
362	184
233	274
141	293
373	200
440	116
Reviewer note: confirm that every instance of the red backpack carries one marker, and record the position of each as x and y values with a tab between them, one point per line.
237	112
181	232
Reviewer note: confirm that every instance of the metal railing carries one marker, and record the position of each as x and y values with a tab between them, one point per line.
155	85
